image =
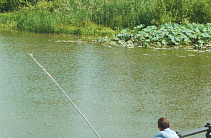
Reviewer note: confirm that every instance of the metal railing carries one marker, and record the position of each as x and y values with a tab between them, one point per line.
207	129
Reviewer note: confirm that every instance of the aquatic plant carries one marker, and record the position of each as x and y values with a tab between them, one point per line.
198	35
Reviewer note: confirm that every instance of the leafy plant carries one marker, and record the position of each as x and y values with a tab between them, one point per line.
167	35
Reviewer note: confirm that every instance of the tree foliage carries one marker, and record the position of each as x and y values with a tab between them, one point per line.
11	5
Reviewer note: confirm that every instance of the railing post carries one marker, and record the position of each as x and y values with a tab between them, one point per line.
180	135
208	134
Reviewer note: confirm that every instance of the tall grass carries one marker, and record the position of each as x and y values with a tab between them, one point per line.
130	13
114	14
98	16
182	11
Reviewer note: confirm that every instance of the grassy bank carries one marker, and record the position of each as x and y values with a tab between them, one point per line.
51	17
44	22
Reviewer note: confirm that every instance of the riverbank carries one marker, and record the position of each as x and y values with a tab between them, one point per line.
100	16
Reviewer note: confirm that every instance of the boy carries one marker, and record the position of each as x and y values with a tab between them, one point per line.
165	131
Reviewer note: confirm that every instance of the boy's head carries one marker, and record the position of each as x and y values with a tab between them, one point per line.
163	123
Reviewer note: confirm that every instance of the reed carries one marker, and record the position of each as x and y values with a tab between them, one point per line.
182	11
110	13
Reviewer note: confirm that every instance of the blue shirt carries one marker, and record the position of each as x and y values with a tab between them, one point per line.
167	133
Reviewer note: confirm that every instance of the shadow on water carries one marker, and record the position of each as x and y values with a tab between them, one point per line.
121	92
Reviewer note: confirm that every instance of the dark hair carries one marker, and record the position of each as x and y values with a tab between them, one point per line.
163	122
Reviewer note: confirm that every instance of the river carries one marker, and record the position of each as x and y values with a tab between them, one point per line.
122	92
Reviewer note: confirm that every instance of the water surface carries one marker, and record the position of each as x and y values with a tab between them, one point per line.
122	92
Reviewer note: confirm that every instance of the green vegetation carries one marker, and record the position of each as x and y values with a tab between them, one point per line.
197	35
105	17
51	17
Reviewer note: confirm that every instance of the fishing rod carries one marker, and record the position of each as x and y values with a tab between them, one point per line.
66	95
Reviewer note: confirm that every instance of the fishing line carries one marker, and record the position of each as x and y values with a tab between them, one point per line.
65	95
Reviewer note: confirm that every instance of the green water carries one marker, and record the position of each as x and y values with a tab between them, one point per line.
122	92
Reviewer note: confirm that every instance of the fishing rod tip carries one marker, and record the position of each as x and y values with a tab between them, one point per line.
30	54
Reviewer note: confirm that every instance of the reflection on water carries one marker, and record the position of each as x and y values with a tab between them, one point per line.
121	92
